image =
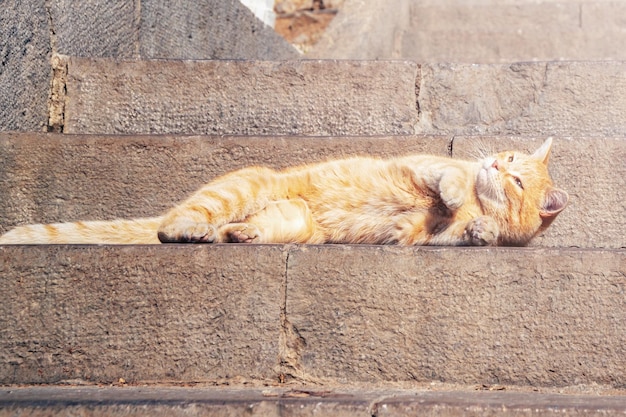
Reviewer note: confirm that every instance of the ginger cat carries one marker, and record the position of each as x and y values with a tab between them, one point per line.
504	199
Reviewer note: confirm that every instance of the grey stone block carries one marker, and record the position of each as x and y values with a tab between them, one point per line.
240	97
96	28
32	30
25	73
160	313
557	98
208	29
332	314
540	317
482	31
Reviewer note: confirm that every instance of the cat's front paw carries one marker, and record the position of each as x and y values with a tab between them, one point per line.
482	231
186	231
452	190
453	198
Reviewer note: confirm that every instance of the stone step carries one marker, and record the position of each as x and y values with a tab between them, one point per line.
105	96
306	401
124	29
50	177
329	314
480	31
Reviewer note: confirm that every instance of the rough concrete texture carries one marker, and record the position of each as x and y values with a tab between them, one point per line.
32	30
543	317
316	314
24	65
478	31
50	178
208	29
140	313
270	402
240	97
556	98
344	98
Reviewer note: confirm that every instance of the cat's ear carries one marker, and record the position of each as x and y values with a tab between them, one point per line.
554	202
543	153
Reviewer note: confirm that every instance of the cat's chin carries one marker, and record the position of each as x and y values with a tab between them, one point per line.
487	182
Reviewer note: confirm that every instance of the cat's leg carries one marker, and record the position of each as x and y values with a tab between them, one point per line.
284	221
230	198
453	188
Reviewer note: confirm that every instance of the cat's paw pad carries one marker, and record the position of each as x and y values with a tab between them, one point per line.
482	231
239	233
187	232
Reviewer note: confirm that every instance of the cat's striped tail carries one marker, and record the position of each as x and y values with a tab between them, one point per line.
115	232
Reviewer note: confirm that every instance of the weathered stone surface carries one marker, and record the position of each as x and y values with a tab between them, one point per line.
320	401
541	317
342	314
96	28
32	30
240	97
49	178
208	29
24	65
481	31
557	98
344	98
160	313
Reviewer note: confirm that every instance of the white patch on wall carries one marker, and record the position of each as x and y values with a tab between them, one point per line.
262	9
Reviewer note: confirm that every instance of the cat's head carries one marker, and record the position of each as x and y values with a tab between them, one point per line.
515	188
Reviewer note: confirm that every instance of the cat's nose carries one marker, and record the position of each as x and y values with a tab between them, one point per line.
495	165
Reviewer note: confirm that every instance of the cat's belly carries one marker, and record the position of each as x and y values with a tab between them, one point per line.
414	227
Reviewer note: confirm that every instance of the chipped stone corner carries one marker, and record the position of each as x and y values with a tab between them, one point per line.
58	93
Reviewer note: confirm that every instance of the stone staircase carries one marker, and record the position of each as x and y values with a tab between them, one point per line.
331	330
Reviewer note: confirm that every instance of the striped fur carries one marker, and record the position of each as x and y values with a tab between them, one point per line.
504	199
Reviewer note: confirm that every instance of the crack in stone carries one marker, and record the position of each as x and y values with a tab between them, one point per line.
291	341
418	87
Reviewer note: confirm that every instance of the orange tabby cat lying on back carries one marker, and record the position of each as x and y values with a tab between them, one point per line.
504	199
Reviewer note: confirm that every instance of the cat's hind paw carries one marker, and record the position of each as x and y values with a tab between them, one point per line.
239	233
482	231
187	232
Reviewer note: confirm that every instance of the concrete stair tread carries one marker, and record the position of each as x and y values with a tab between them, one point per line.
316	314
330	98
475	31
51	178
300	401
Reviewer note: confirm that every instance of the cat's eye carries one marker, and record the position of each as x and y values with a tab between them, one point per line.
518	182
511	158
